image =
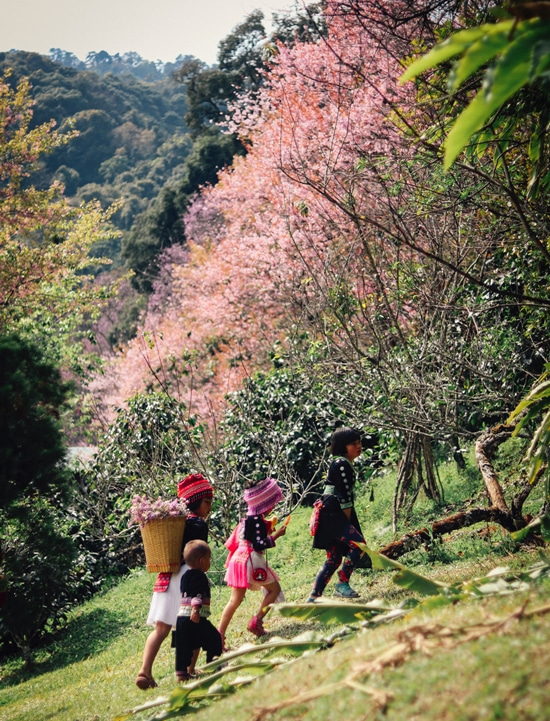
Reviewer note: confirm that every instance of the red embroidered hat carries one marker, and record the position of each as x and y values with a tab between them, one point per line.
262	497
194	487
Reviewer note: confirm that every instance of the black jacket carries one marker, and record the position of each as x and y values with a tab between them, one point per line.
337	495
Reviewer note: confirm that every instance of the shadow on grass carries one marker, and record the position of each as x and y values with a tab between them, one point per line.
84	636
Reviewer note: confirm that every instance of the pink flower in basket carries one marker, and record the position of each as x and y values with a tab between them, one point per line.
143	510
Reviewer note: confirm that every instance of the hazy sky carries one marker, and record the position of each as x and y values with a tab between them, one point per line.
156	29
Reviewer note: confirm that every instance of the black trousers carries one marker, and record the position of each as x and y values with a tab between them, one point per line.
190	636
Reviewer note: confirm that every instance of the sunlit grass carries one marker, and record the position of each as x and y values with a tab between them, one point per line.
87	673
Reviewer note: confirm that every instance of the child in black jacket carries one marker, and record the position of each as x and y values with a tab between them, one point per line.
194	630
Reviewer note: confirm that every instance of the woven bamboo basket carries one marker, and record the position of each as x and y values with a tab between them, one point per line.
162	541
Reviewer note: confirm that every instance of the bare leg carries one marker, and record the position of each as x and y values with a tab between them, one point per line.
237	595
273	591
152	646
191	667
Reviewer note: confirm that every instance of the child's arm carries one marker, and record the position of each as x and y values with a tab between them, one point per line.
280	532
194	585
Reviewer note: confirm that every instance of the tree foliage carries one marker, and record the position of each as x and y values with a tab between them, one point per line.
517	49
131	132
129	63
36	551
161	226
32	394
47	286
151	444
38	558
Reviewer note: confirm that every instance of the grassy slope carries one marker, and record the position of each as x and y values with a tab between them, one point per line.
88	673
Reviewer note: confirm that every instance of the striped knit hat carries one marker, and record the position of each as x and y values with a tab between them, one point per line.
194	487
262	497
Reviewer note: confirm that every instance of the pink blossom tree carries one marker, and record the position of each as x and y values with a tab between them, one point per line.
334	222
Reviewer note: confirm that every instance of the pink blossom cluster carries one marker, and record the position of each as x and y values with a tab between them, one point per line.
290	222
143	510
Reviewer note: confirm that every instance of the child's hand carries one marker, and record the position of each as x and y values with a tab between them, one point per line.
195	615
280	532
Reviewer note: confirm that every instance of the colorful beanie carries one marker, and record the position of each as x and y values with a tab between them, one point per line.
194	488
262	497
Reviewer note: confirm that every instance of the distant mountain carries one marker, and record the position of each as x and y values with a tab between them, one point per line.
128	63
132	136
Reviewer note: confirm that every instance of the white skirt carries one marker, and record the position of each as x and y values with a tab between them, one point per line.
165	606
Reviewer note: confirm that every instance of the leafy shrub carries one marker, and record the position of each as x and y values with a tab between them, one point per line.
37	563
31	445
36	551
149	446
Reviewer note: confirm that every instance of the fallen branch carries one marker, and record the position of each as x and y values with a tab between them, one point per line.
411	541
498	512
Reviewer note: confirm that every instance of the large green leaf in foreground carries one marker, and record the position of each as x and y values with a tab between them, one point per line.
520	54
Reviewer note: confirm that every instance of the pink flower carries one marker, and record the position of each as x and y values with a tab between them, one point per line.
143	510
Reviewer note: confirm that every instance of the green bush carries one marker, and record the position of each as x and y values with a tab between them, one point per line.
150	445
37	563
36	551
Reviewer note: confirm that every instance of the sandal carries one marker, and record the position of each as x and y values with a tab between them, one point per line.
344	590
256	626
144	682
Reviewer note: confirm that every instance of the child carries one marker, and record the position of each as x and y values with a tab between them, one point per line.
337	527
193	629
246	565
197	492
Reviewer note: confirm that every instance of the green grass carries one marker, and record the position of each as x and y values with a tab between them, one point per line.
87	673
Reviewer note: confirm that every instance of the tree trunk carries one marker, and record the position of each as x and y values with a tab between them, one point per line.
417	461
485	447
498	512
405	476
434	489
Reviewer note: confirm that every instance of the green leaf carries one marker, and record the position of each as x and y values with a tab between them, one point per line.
296	646
228	657
522	534
477	55
392	615
545	527
483	141
404	576
434	602
327	611
450	47
533	411
534	148
502	81
540	67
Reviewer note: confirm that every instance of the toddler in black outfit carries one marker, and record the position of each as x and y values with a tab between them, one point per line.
193	629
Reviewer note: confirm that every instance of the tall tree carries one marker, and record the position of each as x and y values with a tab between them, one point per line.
341	222
47	286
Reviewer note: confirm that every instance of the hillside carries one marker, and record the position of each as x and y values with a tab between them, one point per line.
405	669
132	137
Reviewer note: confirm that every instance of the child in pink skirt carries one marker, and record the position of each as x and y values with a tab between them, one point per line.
247	562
